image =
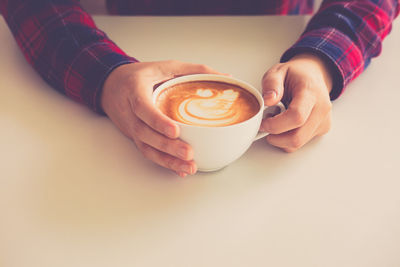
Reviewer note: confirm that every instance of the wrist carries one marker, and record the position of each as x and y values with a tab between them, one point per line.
320	64
111	83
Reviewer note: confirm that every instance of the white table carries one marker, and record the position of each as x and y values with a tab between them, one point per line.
75	192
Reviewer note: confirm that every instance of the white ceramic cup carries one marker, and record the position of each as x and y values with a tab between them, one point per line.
217	147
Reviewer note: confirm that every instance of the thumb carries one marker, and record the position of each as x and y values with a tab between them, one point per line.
273	86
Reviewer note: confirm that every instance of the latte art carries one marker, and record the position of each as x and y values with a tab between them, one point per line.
209	104
209	107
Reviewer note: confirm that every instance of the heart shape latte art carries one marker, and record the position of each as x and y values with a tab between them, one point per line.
210	104
209	108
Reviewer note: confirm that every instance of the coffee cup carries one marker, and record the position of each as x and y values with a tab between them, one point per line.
218	116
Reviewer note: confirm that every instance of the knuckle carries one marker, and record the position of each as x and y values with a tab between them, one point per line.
329	104
272	129
274	70
137	130
204	68
324	131
264	77
326	106
277	67
158	124
289	150
295	142
169	162
280	66
298	118
137	103
328	124
145	149
163	145
137	143
326	127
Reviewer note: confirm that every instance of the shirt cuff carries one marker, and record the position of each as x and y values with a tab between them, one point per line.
340	53
85	77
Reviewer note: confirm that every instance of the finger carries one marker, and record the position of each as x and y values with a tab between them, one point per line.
141	102
293	140
174	68
182	174
174	147
146	111
325	125
166	160
295	116
273	84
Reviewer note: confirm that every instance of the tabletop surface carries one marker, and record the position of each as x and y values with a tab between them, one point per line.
75	192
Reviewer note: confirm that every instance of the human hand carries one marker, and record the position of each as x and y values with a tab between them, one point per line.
127	100
304	83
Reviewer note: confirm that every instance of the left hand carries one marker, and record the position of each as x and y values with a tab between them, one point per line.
304	83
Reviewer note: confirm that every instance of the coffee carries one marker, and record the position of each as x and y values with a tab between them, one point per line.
207	103
204	104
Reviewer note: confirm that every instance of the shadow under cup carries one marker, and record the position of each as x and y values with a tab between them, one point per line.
217	146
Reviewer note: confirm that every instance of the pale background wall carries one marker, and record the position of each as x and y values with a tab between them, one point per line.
99	7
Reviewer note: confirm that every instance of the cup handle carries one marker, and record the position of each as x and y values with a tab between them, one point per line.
270	111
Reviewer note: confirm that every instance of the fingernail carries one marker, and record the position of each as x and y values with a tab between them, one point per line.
187	168
270	94
194	169
182	174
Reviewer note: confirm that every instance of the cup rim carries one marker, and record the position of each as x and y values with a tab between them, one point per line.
211	78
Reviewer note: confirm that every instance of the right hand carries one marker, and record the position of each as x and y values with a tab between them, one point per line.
127	100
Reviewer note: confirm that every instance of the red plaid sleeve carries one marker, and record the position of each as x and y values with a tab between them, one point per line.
347	34
209	7
61	41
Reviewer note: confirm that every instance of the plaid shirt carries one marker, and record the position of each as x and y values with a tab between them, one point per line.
209	7
61	41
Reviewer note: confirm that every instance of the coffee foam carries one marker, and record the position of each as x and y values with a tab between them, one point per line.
211	104
209	108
